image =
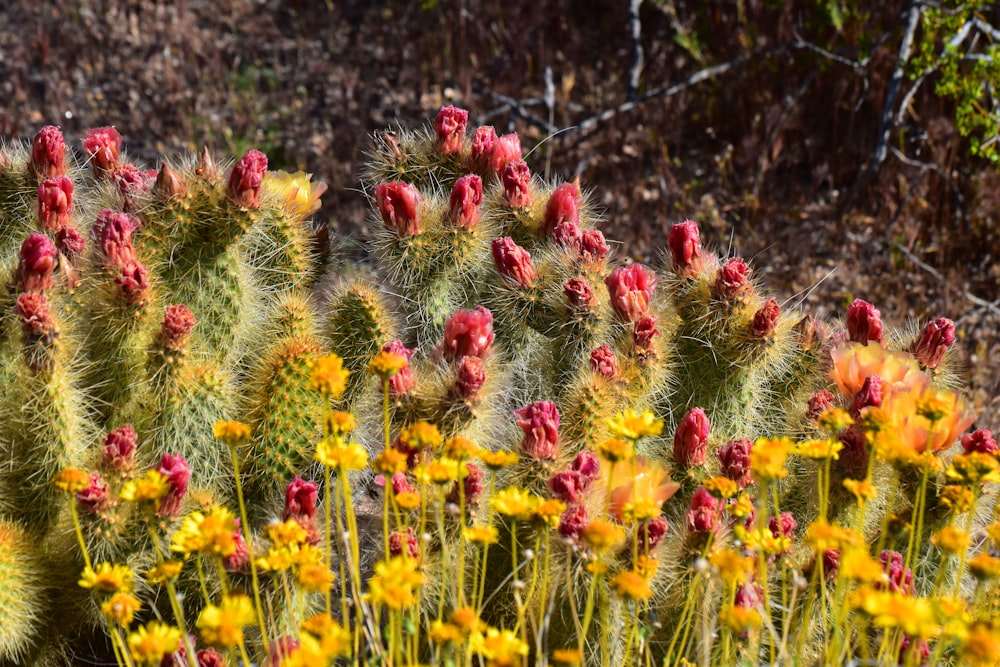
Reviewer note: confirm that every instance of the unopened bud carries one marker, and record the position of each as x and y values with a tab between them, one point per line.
466	197
133	284
471	378
483	140
513	262
691	438
48	153
593	247
562	207
933	342
169	184
70	241
765	320
684	240
733	283
36	262
103	145
579	293
246	178
178	323
864	322
205	166
55	203
504	150
604	362
450	128
399	205
516	178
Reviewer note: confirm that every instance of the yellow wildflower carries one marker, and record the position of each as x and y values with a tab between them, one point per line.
444	633
721	487
631	585
567	656
108	578
951	540
820	450
501	648
286	534
71	480
481	535
314	578
601	535
338	423
334	453
974	468
460	448
985	566
835	420
298	194
211	534
329	376
334	639
740	619
390	462
733	566
437	471
165	571
386	364
150	488
498	459
957	498
634	425
152	641
858	565
981	645
861	488
407	500
232	433
547	512
466	620
308	653
614	450
395	582
767	459
121	608
222	625
823	536
743	507
914	616
993	530
514	502
421	435
643	509
763	540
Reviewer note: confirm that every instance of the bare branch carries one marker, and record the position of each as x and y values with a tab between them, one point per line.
637	57
959	37
912	20
517	108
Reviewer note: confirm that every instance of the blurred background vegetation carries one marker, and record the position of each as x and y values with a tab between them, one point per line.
847	148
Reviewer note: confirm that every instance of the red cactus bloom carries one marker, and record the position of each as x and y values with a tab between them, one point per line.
400	540
471	378
118	452
579	293
587	465
573	522
733	282
651	534
468	333
55	203
505	149
783	525
540	423
933	342
567	234
691	438
483	140
178	323
300	504
129	180
643	333
568	486
748	596
133	284
864	322
979	441
765	320
593	247
870	395
103	145
403	381
734	458
35	313
472	484
684	240
563	206
604	362
516	180
36	262
70	241
900	577
115	231
243	188
854	456
631	288
703	512
450	128
513	262
819	402
466	197
239	561
399	204
48	153
95	497
178	473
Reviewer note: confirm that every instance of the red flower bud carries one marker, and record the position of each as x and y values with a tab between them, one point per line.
400	484
819	402
567	486
399	204
783	525
593	247
651	533
853	459
748	596
103	145
870	395
504	150
900	577
468	333
733	283
684	240
483	140
631	289
734	460
933	342
466	196
567	234
118	452
573	522
178	322
178	473
579	293
403	381
471	378
70	241
563	207
450	128
517	184
36	262
95	497
239	561
979	441
130	181
513	262
55	203
473	486
300	504
48	153
587	465
765	320
133	284
404	540
691	438
35	313
604	361
540	423
246	178
703	512
643	333
115	233
864	322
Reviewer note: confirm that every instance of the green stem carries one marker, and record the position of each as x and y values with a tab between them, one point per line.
253	565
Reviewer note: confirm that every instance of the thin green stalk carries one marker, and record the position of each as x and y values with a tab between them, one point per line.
249	540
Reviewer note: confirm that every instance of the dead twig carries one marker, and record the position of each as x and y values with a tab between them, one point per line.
637	58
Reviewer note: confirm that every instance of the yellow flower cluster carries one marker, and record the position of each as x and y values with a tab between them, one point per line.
395	583
633	425
222	625
208	534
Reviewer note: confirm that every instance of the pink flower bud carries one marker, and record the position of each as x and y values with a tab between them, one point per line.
278	652
504	150
129	181
748	596
933	342
651	534
733	282
70	241
587	465
579	293
604	362
979	441
95	497
783	525
55	203
864	322
468	333
133	284
118	452
36	262
103	145
593	247
175	468
691	438
703	512
567	486
48	153
178	323
831	563
517	184
573	522
819	402
567	234
36	315
472	486
450	128
900	577
684	240
513	262
246	178
463	206
239	561
540	423
399	204
765	320
403	381
400	540
562	207
913	651
734	459
471	378
483	140
870	395
300	504
400	484
631	289
643	333
115	233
